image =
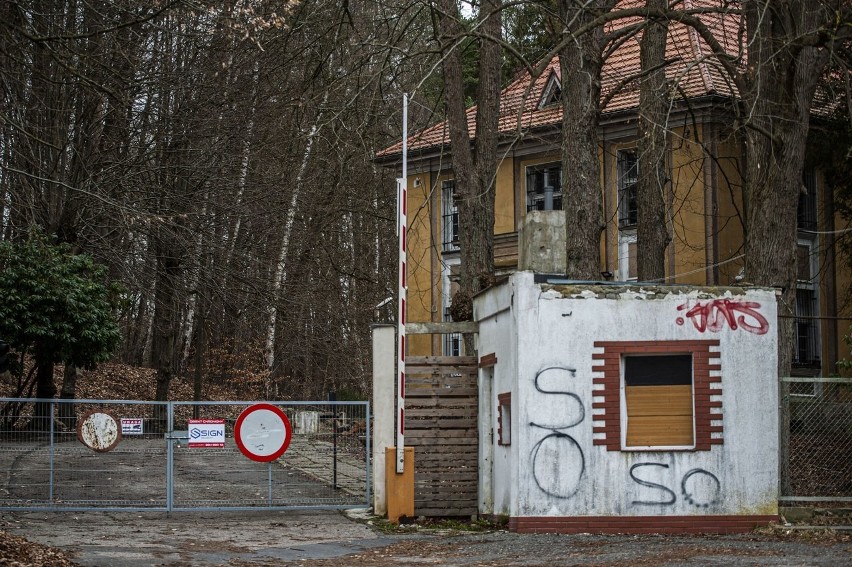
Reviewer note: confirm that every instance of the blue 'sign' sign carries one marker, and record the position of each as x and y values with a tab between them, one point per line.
206	432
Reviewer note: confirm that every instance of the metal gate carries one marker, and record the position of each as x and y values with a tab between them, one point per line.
43	464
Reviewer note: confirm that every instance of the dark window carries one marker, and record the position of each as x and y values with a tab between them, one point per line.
544	187
807	329
450	217
807	348
806	215
628	177
504	419
452	341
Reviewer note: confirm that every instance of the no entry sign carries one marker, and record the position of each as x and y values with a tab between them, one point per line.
263	432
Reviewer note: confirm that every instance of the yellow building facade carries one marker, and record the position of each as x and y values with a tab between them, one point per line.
704	203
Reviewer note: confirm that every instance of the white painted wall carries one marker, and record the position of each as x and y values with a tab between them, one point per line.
553	468
497	321
384	409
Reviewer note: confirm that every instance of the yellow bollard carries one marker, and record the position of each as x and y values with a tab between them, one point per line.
399	487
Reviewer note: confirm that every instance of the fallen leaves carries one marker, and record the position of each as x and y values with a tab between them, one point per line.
18	552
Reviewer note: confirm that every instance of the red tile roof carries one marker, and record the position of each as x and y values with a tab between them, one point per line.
694	70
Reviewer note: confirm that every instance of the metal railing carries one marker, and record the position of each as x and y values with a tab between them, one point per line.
816	421
44	465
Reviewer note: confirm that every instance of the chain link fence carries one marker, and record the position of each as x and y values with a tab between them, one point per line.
816	440
154	465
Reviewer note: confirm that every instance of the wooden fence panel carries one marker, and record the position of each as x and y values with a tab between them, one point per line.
441	411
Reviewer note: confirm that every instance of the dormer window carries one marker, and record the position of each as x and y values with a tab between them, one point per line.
552	92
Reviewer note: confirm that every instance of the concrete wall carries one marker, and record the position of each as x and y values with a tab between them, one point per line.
541	242
555	468
497	323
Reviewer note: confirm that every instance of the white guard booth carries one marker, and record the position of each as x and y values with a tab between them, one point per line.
626	407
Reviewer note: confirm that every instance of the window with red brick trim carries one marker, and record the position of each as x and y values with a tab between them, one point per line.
611	422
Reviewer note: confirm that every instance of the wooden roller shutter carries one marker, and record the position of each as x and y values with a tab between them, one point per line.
659	401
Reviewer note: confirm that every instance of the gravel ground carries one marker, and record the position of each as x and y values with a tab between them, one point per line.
324	538
505	549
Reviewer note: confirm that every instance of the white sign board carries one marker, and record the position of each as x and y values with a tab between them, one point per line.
99	431
206	432
132	426
262	432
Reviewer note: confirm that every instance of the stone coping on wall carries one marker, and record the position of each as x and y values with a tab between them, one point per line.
583	289
637	291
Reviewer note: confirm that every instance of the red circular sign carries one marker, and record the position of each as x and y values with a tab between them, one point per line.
263	432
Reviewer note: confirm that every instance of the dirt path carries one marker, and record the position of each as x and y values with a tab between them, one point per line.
326	538
148	539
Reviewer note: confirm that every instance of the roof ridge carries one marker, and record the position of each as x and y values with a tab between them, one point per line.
520	99
698	53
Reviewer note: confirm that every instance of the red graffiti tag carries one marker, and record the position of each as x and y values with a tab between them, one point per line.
712	316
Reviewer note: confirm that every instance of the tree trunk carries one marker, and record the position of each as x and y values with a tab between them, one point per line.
280	277
67	415
779	86
165	319
474	167
45	390
200	347
580	64
652	233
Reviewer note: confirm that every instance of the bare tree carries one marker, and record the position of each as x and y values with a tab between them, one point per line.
652	233
474	163
581	61
789	45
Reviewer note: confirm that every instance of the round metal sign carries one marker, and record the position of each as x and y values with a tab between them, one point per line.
99	431
263	432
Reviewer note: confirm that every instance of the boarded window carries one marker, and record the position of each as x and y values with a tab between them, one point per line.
632	268
504	419
658	401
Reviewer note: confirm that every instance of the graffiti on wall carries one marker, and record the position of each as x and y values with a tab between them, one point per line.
715	314
558	462
698	487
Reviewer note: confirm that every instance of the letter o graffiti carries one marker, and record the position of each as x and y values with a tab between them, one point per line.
689	497
564	480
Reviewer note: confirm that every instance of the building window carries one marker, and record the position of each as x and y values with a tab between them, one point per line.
657	402
452	342
657	395
627	266
449	217
504	418
806	351
806	215
544	187
807	347
628	177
